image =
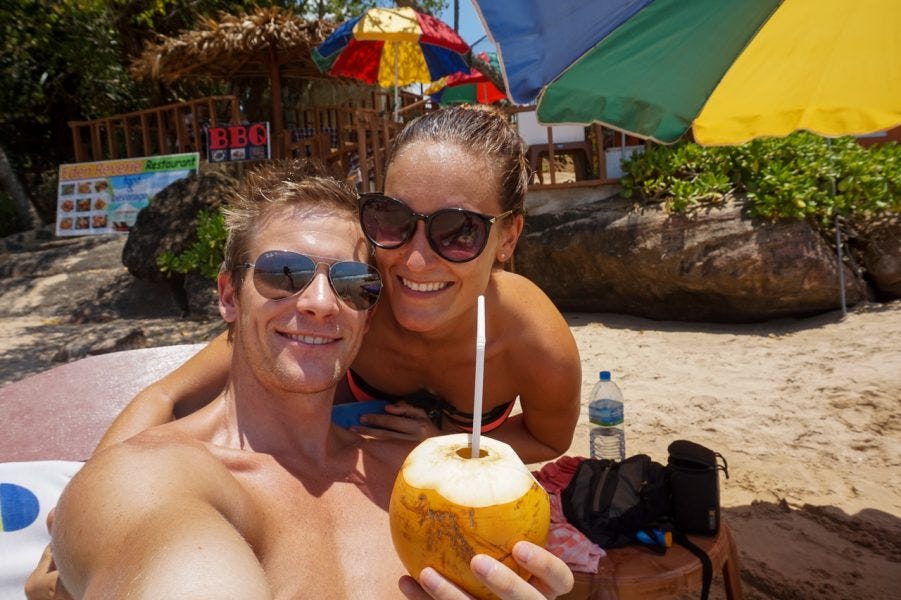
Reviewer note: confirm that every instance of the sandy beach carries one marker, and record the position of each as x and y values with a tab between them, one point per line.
805	411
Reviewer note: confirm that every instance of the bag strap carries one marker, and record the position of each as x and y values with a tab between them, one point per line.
722	467
706	566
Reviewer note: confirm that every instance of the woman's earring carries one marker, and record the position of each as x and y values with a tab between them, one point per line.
502	256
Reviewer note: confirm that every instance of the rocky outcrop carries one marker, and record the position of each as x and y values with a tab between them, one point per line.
882	257
170	223
70	297
716	264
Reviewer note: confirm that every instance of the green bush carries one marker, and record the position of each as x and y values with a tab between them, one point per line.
784	178
205	255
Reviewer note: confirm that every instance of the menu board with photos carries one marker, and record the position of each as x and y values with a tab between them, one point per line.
106	196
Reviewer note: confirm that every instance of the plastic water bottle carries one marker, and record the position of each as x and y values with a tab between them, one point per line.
605	411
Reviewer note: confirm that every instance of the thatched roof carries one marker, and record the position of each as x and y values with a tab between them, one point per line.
236	46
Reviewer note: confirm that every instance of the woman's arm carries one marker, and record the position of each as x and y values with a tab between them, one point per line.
186	389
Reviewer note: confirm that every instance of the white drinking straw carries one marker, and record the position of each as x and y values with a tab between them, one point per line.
480	375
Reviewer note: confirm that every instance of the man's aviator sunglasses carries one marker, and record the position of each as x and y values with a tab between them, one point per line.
455	234
280	274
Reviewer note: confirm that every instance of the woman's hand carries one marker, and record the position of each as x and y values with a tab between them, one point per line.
400	421
550	578
44	583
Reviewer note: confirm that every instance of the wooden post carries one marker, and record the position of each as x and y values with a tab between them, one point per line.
111	139
76	141
362	151
601	155
275	90
96	152
377	147
195	128
160	131
552	171
129	142
145	133
236	110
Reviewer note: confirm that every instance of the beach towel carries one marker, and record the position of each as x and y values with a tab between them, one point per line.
28	491
565	541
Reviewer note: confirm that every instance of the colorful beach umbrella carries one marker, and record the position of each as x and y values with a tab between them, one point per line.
468	88
392	47
726	70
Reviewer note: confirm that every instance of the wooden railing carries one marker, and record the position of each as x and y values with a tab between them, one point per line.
353	142
336	135
166	129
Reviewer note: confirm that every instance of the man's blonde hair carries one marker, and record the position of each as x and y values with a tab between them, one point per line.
295	184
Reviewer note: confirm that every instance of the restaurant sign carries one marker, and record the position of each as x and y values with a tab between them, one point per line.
106	196
238	142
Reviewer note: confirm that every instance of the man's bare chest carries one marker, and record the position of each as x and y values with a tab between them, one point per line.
323	539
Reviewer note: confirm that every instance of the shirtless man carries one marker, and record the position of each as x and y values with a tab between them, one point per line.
258	495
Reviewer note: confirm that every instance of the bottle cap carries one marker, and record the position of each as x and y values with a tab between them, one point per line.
604	375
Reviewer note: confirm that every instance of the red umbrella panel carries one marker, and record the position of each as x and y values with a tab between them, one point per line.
468	88
392	47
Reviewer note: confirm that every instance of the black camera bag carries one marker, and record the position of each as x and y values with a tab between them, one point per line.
693	473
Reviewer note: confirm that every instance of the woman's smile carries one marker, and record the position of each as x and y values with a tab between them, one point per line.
424	286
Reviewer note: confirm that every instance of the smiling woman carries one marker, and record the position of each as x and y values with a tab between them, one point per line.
462	173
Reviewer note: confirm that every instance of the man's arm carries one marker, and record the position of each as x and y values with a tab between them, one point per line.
184	390
156	519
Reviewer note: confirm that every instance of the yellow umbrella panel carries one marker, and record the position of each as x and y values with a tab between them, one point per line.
825	80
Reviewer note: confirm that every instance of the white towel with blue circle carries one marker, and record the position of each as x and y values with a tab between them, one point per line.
28	491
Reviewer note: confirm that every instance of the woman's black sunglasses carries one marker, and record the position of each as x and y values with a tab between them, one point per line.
455	234
280	274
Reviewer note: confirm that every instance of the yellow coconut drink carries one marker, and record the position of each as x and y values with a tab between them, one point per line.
447	507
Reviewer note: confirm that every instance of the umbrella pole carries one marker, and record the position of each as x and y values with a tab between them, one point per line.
275	90
396	90
838	242
841	270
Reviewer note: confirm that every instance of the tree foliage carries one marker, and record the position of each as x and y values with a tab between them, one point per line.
67	60
205	255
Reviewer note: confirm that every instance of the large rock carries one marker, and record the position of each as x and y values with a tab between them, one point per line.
882	257
170	223
714	265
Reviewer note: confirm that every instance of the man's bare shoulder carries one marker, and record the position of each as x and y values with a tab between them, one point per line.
154	489
154	467
163	446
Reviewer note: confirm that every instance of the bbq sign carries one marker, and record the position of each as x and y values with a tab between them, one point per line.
238	142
